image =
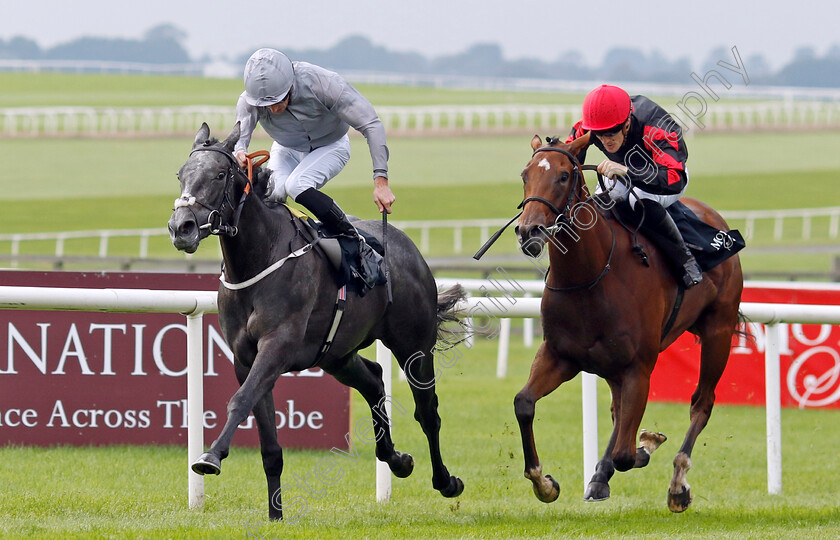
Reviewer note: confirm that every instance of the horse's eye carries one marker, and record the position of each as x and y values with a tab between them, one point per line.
563	177
524	178
221	175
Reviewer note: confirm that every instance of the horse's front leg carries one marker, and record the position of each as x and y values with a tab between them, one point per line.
259	381
547	373
598	488
272	453
270	449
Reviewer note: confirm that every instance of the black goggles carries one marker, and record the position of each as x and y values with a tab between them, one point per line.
611	132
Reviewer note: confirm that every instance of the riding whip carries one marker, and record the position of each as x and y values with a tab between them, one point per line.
492	240
480	253
385	254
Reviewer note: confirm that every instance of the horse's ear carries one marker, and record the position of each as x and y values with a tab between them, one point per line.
230	142
202	135
580	143
536	142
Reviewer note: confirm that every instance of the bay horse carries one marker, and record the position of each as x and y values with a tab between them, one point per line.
278	323
604	312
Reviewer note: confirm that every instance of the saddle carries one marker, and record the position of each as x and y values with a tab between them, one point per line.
342	252
709	245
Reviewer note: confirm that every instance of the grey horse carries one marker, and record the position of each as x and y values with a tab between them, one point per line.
279	323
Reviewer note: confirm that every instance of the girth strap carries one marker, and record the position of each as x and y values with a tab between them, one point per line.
338	313
674	312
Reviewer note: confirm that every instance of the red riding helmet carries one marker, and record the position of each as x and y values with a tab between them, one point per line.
605	108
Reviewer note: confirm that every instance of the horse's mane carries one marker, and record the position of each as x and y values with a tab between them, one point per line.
260	181
261	174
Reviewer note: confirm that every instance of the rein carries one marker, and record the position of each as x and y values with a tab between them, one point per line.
214	219
561	214
563	217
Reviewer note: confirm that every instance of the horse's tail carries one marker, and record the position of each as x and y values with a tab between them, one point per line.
742	329
446	302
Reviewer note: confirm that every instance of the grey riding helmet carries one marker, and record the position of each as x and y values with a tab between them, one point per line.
268	77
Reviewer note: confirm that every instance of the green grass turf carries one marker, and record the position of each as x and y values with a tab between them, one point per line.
140	492
59	89
52	185
79	184
731	172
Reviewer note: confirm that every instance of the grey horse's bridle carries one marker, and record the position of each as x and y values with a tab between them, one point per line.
214	219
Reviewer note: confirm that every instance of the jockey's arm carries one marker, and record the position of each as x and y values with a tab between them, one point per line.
382	195
359	113
246	115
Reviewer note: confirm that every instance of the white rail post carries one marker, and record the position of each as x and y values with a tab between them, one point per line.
528	327
195	406
504	345
589	385
383	473
772	383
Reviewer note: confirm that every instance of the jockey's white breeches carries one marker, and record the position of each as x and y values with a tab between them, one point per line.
293	171
621	191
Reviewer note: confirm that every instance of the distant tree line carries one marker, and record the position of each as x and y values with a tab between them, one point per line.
164	44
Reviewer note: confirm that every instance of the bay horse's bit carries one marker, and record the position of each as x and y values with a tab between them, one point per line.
562	216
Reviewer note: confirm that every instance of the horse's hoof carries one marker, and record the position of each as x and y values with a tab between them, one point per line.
596	491
402	465
679	502
650	441
455	487
207	464
549	495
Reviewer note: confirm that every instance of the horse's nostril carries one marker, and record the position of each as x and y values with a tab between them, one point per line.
536	232
187	227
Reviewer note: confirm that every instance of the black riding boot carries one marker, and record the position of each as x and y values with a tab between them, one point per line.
659	221
336	222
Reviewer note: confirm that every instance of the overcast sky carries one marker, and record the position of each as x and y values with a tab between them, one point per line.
543	29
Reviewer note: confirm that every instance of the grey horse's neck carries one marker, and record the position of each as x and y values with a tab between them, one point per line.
264	236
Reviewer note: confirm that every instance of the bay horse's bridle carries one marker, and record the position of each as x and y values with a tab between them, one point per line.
214	218
561	214
564	217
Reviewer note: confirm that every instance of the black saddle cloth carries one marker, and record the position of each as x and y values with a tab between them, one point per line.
709	245
354	264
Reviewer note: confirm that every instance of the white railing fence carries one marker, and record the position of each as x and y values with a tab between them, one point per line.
193	304
786	224
415	120
803	216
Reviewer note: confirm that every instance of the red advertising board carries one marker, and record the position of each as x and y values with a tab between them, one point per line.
83	378
810	356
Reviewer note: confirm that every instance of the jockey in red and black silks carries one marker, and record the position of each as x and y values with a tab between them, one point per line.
646	157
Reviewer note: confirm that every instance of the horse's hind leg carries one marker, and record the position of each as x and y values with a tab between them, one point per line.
547	373
366	377
418	362
713	358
